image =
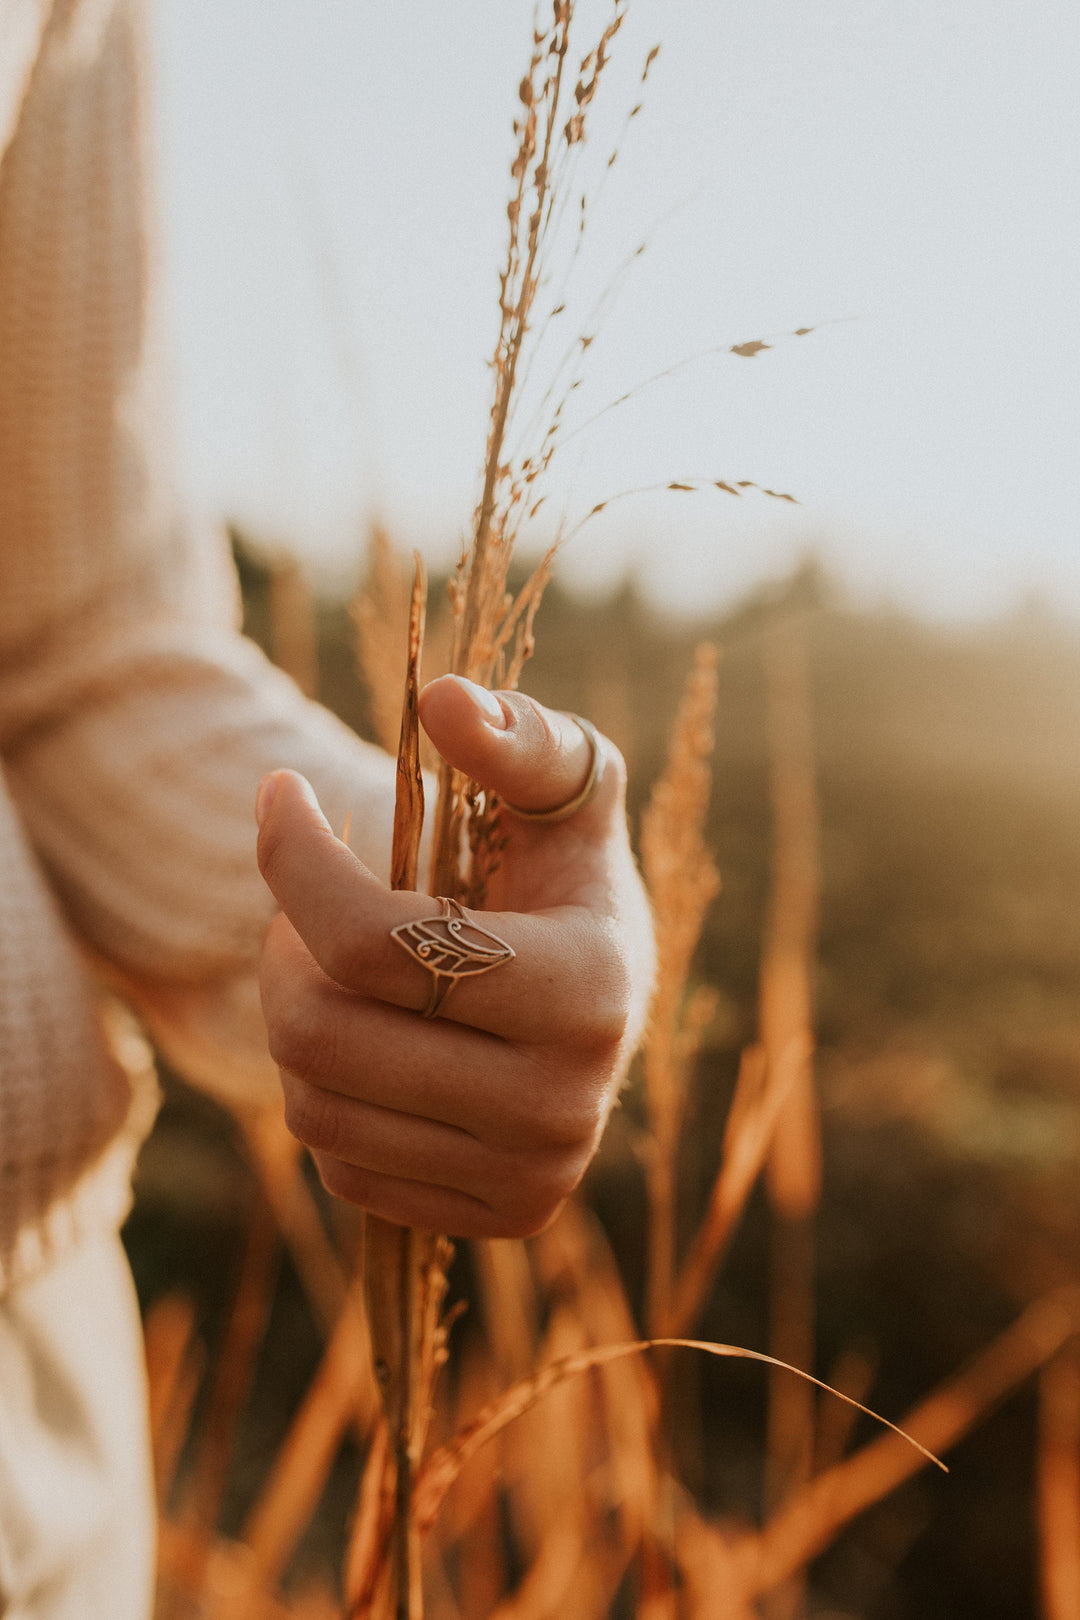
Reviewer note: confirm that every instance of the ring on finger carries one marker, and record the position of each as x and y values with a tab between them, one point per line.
450	947
597	761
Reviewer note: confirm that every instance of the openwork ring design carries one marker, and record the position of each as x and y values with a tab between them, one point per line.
451	947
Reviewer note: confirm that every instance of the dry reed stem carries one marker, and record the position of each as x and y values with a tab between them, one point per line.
682	881
546	1455
397	1259
473	1530
586	1270
276	1155
294	635
546	1587
746	350
1058	1488
710	1571
510	1305
691	485
493	633
380	613
367	1574
555	1453
492	639
810	1521
174	1364
235	1370
305	1457
409	797
793	1174
760	1094
854	1374
786	994
599	1452
791	1419
443	1466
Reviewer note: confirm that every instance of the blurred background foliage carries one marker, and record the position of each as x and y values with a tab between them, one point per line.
948	1026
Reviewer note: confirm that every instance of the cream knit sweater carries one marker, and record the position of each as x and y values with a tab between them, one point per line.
134	720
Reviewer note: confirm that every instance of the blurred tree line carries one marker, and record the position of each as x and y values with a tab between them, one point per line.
948	1025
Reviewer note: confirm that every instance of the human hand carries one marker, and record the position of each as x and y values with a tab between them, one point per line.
479	1122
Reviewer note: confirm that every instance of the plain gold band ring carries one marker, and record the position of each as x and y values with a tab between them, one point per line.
596	771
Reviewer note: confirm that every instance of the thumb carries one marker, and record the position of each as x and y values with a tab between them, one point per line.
315	878
532	757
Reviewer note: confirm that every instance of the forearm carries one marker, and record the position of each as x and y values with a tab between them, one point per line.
140	802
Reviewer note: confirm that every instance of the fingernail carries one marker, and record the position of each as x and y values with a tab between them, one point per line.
265	797
488	704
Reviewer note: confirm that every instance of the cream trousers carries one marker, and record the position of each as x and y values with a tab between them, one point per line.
76	1500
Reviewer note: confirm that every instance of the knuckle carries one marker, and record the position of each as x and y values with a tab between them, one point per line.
566	1121
286	1033
566	1114
300	1033
606	1000
540	1187
545	733
313	1116
342	1180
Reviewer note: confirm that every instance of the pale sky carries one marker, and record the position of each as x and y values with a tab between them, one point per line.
334	179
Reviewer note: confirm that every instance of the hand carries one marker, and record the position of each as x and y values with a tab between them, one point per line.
481	1121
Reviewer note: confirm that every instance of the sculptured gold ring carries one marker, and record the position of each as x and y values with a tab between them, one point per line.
450	947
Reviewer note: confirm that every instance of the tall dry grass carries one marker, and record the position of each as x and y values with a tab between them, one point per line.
537	1481
547	1484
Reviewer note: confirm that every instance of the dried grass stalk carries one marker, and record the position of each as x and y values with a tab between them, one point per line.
787	971
854	1374
760	1094
493	629
396	1259
473	1533
443	1466
682	881
276	1155
233	1374
1058	1497
174	1364
367	1574
786	1020
380	613
306	1456
492	639
404	1272
578	1268
294	635
811	1520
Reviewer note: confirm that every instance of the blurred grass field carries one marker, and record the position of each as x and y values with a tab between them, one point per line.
948	1025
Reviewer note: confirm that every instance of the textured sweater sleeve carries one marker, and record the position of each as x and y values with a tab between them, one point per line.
134	720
